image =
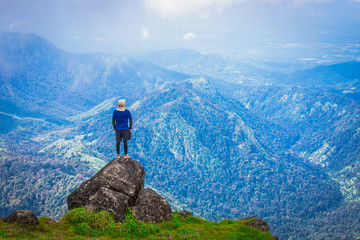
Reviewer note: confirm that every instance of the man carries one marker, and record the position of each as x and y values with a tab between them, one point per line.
121	116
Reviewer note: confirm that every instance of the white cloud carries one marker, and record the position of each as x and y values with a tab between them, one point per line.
145	33
204	8
293	45
312	1
100	39
188	36
182	8
297	1
15	24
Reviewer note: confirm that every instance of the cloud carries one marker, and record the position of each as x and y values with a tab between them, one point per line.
188	36
145	33
15	24
293	45
204	8
297	2
182	8
100	39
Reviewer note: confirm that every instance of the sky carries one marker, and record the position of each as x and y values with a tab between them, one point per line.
258	29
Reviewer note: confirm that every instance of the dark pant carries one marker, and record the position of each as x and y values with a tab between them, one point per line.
122	135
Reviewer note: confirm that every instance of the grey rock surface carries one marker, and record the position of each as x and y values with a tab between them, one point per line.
114	188
150	207
22	217
258	223
185	214
111	201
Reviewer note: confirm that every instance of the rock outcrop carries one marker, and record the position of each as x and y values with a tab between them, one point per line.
185	214
22	217
258	223
118	186
150	207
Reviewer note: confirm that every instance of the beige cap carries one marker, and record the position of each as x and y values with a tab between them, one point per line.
121	105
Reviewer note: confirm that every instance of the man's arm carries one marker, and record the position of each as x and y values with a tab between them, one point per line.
130	120
113	123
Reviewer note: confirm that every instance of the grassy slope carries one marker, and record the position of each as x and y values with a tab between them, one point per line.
83	224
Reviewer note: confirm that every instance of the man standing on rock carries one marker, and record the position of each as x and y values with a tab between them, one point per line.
121	127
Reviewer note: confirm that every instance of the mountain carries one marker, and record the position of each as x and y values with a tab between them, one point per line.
322	106
211	143
201	149
327	122
42	79
215	66
344	76
301	102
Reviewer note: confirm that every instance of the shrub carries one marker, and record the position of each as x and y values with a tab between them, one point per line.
133	227
81	216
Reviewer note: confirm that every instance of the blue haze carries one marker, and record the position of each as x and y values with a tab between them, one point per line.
291	30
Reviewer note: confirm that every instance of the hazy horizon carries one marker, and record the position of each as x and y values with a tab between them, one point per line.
268	30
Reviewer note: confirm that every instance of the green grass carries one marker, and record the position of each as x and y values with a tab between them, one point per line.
83	224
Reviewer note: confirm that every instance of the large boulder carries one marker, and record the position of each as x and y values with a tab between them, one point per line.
114	188
106	199
150	207
22	217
